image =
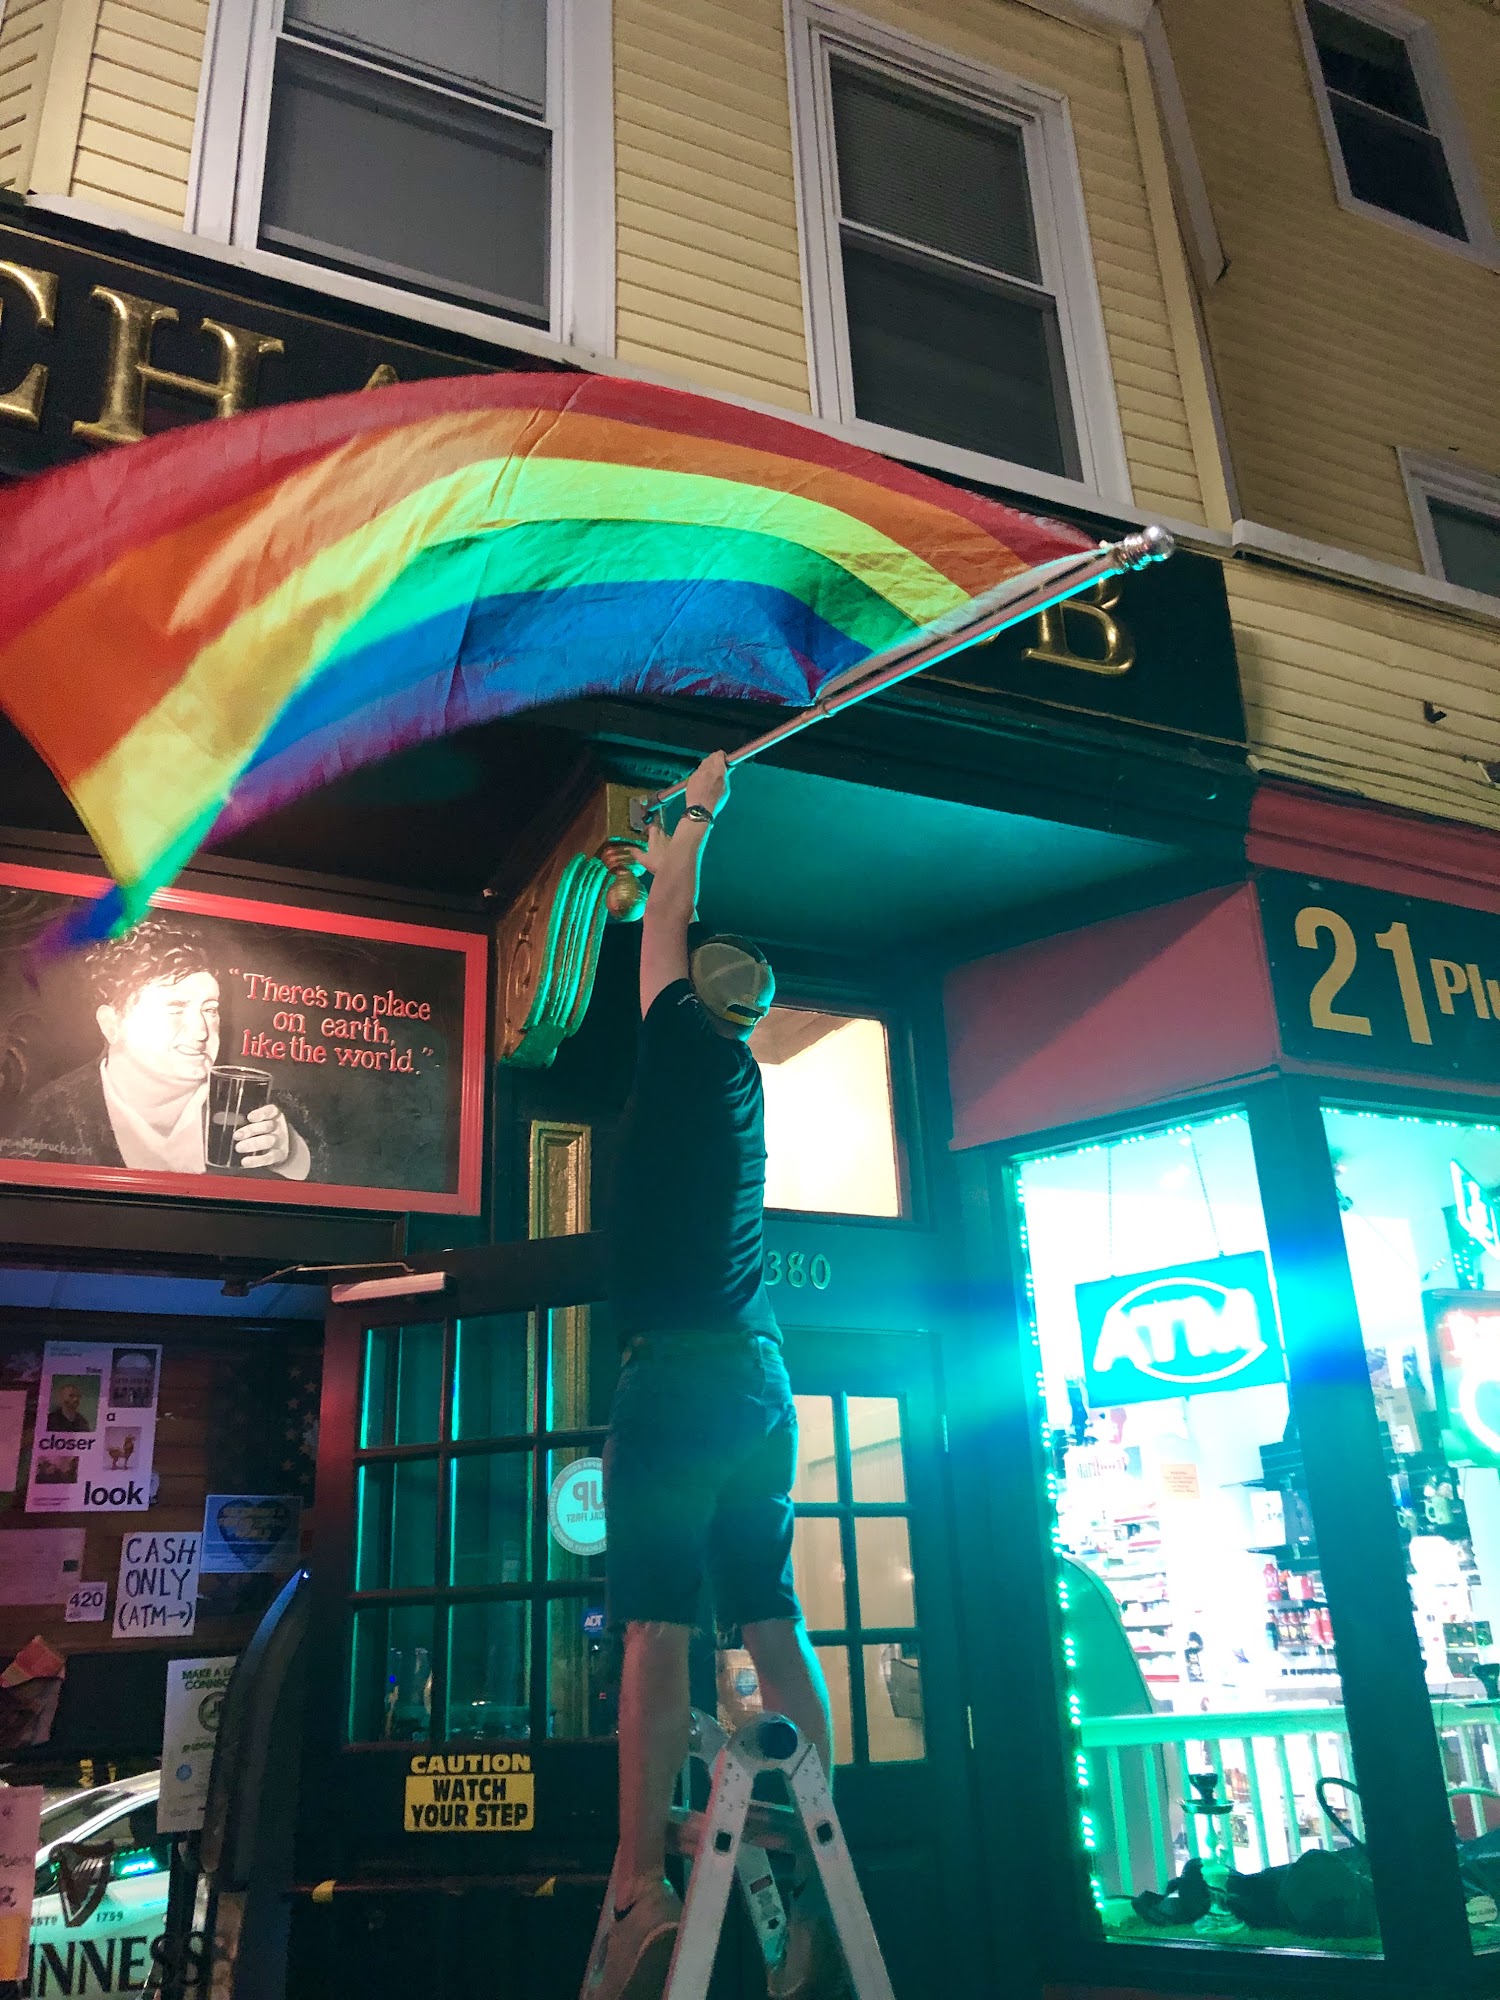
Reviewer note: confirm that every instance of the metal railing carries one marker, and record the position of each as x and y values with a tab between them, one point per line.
1268	1762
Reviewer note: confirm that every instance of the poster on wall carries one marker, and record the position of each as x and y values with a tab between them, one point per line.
20	1834
95	1435
250	1534
190	1731
242	1050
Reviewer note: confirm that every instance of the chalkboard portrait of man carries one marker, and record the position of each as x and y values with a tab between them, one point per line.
142	1103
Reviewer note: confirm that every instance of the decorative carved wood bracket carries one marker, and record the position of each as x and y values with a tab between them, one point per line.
548	942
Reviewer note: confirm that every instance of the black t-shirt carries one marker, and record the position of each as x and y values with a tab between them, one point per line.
690	1179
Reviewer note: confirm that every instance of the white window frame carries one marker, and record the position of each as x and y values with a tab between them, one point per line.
816	31
1443	117
229	151
1430	477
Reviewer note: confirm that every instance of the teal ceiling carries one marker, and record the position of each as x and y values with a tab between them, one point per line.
800	859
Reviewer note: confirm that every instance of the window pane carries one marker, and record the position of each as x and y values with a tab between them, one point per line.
1418	1202
403	1392
949	358
1365	62
482	45
492	1392
882	1555
875	1466
818	1572
404	183
584	1665
489	1670
830	1126
491	1543
1397	169
395	1548
893	1703
1469	545
817	1469
1196	1635
940	176
390	1680
834	1661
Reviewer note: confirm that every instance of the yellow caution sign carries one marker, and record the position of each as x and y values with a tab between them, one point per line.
470	1792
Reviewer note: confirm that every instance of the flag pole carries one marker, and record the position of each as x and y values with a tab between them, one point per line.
992	611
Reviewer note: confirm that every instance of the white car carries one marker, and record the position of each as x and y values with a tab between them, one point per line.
109	1951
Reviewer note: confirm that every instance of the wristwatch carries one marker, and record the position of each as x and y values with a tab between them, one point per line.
698	812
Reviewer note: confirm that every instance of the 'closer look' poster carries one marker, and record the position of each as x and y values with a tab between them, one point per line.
248	1050
95	1428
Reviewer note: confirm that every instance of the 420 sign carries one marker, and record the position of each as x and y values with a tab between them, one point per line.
1368	980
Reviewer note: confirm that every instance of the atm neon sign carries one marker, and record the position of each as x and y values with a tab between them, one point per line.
1186	1330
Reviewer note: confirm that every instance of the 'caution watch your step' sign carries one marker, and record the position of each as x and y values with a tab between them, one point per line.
470	1792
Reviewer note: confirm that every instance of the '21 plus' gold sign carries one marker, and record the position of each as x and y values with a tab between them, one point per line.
1375	981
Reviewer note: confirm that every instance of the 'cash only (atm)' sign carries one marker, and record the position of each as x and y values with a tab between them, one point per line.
1184	1331
470	1791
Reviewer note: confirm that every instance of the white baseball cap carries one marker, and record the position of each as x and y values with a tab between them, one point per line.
733	979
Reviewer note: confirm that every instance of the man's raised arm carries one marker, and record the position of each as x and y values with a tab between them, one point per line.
674	861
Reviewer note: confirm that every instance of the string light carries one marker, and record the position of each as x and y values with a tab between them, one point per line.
1088	1826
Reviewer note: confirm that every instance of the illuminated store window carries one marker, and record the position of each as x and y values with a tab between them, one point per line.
830	1126
852	1559
1199	1654
1421	1212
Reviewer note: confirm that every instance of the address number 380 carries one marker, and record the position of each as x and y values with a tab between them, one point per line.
797	1269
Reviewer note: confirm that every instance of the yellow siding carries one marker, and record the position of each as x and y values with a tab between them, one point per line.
1337	337
708	284
1334	684
27	28
708	270
136	135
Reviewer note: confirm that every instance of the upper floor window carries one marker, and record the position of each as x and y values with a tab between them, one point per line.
414	143
951	290
440	149
1456	512
1393	131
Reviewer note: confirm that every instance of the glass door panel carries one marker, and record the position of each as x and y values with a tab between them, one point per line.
852	1561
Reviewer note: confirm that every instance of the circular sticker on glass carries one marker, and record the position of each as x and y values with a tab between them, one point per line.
575	1507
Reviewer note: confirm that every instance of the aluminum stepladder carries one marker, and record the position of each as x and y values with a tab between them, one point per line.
729	1842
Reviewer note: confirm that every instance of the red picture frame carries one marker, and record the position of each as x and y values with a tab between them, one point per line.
464	1105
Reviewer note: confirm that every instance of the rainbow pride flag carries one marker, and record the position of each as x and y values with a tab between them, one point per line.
199	629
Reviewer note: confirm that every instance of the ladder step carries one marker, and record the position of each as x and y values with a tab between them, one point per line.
727	1842
766	1825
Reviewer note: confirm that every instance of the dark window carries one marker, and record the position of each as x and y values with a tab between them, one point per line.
410	144
1393	158
472	1616
952	333
1469	545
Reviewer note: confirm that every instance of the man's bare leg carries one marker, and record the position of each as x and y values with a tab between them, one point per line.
791	1681
653	1741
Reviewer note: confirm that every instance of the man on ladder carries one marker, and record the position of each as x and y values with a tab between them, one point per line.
703	1433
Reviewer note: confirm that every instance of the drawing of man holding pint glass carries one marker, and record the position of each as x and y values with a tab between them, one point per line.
159	1099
